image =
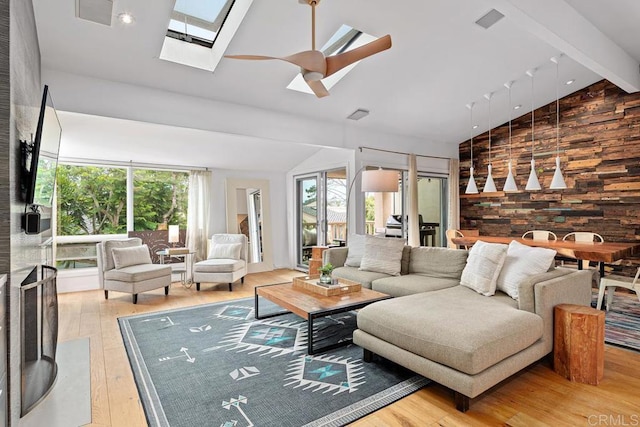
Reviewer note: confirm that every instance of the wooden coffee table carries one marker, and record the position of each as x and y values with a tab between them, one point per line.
311	306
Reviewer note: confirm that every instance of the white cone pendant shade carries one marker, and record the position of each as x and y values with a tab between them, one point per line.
557	183
471	186
510	183
489	185
533	184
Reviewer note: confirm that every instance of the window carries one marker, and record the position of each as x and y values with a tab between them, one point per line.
93	200
199	31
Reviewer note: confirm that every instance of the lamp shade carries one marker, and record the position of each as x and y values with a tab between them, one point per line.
379	181
557	183
510	183
472	188
533	184
489	185
174	234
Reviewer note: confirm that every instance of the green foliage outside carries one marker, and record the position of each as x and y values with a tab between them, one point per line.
370	208
93	200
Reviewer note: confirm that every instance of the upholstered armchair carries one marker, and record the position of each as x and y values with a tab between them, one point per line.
125	266
226	262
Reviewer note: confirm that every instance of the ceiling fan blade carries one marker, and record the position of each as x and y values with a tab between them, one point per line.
318	88
338	62
310	60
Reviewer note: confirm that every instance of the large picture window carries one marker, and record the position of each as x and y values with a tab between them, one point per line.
93	200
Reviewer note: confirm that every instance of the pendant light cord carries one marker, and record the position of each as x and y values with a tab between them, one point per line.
471	130
557	110
510	122
532	118
490	128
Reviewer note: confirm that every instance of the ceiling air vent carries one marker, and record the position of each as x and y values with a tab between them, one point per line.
358	114
98	11
489	19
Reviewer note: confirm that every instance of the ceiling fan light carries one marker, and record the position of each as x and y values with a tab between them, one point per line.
557	183
510	184
312	76
472	188
489	185
533	184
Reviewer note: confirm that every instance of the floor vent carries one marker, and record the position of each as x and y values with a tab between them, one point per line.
98	11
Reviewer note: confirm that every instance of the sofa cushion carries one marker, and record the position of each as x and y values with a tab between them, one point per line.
522	261
356	250
483	267
138	273
409	284
484	332
382	255
225	251
219	265
125	257
438	262
109	245
363	277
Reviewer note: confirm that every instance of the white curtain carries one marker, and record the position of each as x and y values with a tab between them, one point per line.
414	227
198	213
454	195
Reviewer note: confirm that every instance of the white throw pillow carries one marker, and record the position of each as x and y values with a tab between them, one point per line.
355	251
125	257
225	251
483	267
382	255
522	261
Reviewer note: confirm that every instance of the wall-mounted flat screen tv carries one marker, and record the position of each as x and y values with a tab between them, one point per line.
41	156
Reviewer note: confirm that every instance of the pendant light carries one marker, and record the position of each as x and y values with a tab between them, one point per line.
557	183
489	185
510	184
471	186
532	184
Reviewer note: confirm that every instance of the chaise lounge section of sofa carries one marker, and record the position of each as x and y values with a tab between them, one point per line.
452	334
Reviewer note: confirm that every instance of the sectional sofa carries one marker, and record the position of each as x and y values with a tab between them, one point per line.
451	333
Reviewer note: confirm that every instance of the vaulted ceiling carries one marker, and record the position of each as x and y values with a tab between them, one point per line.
416	91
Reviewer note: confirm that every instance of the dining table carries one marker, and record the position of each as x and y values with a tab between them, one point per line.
601	252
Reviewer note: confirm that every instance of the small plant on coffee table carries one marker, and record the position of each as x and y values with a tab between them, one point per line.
325	273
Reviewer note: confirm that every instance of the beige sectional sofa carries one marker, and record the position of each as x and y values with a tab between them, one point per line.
450	333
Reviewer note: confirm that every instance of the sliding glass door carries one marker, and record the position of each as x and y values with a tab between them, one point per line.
321	213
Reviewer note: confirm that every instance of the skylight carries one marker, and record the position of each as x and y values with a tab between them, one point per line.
345	39
200	31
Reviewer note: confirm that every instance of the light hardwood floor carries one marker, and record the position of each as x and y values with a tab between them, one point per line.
534	397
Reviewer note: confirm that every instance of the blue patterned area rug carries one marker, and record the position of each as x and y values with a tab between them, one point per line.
622	321
216	365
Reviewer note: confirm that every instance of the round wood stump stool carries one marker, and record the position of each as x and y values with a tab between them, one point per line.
578	344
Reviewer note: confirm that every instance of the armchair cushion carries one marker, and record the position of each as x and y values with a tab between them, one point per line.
109	245
219	265
225	251
125	257
138	273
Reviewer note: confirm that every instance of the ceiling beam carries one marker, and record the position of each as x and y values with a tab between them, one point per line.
561	26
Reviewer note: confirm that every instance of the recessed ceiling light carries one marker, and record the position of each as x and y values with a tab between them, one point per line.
475	126
570	81
126	18
517	107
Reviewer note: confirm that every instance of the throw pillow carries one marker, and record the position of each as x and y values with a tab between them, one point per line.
225	251
382	255
483	267
522	261
125	257
355	251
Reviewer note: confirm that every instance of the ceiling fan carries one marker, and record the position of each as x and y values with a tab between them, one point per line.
314	66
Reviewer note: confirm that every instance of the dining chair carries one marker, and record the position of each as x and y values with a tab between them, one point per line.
611	282
540	235
584	237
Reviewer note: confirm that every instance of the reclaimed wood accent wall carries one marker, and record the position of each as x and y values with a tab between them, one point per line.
600	158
